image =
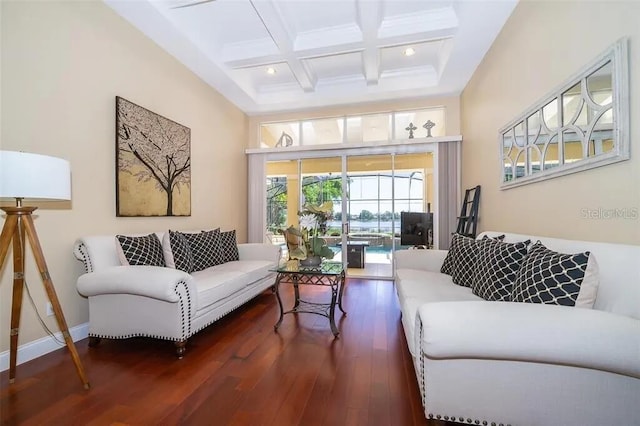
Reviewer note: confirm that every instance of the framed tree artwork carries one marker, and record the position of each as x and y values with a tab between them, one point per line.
153	163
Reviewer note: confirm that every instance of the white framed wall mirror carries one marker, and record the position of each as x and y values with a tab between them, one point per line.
582	124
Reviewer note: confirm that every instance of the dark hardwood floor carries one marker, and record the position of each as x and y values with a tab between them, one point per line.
237	372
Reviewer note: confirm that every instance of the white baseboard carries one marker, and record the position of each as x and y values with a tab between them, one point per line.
43	346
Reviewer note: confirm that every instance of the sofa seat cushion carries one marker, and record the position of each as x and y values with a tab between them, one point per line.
220	281
409	281
432	287
412	304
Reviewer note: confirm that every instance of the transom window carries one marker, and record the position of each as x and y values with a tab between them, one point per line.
419	124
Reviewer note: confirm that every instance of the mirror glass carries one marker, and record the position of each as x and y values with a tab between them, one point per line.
572	146
507	149
601	140
520	164
550	114
551	153
535	164
571	105
600	85
519	134
536	138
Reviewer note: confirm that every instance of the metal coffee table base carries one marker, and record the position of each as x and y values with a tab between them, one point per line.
336	282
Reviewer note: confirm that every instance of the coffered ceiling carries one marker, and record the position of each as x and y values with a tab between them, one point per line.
276	55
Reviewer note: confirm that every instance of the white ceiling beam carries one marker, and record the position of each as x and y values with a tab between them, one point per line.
281	36
428	20
369	15
316	52
302	54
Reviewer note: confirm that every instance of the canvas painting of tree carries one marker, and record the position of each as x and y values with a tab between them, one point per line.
153	163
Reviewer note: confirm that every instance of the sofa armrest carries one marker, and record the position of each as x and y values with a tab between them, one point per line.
149	281
259	251
428	260
96	252
532	333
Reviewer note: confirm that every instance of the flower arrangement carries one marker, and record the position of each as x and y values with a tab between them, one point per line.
305	243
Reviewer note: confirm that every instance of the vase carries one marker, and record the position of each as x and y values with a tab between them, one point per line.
311	261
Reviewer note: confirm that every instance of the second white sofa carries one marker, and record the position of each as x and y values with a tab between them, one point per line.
499	363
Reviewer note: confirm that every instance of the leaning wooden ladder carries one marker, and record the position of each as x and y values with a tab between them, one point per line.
468	219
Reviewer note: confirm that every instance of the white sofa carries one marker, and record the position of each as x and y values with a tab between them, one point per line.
499	363
161	302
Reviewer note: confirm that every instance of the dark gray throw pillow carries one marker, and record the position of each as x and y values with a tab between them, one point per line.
228	246
455	250
466	250
497	268
550	277
182	255
461	259
142	251
205	249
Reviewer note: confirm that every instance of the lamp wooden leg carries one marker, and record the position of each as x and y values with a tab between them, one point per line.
16	303
9	232
53	297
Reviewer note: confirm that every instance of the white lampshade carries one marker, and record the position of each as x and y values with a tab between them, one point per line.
34	176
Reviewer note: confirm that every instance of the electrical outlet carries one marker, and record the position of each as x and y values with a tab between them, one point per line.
49	309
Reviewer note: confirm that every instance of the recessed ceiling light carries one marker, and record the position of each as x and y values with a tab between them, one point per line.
409	51
271	71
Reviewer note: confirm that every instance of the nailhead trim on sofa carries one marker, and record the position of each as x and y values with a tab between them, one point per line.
86	260
187	333
462	420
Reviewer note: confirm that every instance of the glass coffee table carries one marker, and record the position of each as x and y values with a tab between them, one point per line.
329	274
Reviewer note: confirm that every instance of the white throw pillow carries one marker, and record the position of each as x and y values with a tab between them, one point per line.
166	251
589	287
121	257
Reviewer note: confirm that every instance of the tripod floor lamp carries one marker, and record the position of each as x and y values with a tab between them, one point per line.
39	177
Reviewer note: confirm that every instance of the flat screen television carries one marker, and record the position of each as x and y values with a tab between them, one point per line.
416	229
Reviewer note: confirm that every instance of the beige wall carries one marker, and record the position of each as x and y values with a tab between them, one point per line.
450	104
542	45
63	63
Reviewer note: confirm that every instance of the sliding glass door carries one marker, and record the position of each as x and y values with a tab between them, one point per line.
382	190
370	215
369	196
